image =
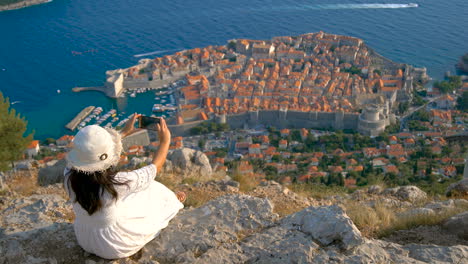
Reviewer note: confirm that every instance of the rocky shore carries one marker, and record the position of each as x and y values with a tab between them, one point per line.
22	4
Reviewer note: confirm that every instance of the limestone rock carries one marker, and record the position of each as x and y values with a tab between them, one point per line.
438	254
24	165
230	229
390	191
417	212
194	232
138	161
52	174
407	193
458	189
3	185
189	162
33	212
374	189
326	224
458	225
441	206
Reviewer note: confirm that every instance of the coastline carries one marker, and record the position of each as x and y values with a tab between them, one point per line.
23	4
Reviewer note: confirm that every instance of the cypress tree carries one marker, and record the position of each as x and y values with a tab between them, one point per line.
13	143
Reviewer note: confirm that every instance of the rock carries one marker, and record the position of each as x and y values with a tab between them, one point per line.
230	229
55	243
327	224
374	189
390	191
417	212
441	206
458	225
52	174
222	221
3	185
137	162
190	163
458	189
24	165
33	212
438	254
410	193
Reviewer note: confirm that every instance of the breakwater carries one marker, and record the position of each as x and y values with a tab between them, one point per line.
78	118
22	4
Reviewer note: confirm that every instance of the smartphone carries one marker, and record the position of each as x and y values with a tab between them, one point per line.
148	122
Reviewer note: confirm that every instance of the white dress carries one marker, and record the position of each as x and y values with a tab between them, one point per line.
123	227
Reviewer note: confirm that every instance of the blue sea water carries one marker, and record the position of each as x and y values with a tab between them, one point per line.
39	44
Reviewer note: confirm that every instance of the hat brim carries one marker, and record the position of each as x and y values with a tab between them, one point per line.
112	159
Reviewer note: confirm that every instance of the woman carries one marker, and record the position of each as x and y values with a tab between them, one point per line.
117	213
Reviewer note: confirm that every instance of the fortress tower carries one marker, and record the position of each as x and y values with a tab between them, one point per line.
114	83
373	120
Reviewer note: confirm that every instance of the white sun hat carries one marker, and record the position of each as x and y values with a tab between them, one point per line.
95	149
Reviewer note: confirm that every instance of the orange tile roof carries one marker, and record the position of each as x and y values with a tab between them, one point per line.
33	144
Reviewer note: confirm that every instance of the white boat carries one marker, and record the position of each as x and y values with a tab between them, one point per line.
132	94
157	108
413	5
58	91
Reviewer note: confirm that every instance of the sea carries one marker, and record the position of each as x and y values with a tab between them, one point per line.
64	43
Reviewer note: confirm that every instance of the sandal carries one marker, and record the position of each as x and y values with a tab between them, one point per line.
181	196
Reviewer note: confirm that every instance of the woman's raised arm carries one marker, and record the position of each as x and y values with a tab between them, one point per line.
164	141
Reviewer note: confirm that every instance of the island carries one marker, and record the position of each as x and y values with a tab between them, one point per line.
314	80
17	4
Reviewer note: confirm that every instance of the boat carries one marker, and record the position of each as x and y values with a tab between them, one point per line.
133	94
413	5
58	91
157	108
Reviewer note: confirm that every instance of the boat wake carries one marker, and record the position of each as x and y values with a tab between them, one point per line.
153	53
347	6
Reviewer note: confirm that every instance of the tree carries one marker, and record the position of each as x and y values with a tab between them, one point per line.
462	102
232	45
13	143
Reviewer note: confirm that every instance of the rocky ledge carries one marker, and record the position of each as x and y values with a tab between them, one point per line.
22	4
233	228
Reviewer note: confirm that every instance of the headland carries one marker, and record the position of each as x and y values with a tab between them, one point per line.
17	4
314	80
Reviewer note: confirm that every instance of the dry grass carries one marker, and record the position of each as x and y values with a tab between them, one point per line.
317	191
23	183
369	220
408	222
381	221
246	182
198	197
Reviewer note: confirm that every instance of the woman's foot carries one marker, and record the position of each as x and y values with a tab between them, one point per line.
181	196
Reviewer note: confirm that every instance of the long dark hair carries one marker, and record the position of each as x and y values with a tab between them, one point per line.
89	187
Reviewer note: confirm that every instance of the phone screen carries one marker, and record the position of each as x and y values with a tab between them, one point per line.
148	122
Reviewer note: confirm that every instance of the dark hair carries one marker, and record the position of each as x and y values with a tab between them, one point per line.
89	187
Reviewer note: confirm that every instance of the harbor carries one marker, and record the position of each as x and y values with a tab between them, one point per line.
164	104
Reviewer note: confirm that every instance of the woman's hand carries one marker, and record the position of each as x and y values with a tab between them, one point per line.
164	134
130	125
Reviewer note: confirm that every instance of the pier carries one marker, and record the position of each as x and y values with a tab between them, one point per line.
78	118
91	88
